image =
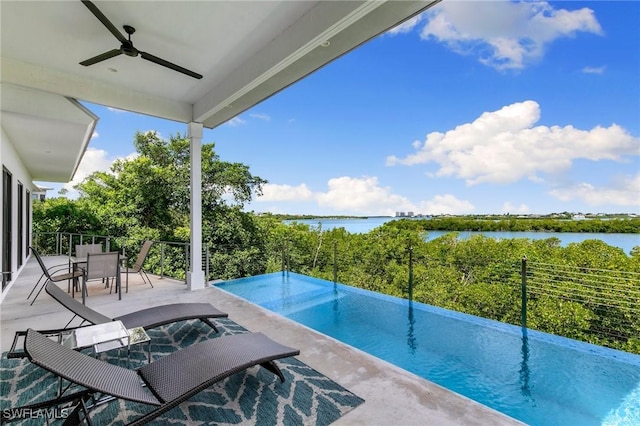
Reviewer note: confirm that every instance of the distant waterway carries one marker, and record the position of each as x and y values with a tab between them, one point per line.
360	226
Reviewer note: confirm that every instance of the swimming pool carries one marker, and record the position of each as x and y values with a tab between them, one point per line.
534	377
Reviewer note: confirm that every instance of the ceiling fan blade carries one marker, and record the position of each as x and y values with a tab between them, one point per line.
101	57
105	21
160	61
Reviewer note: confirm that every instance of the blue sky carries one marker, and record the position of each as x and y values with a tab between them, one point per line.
470	108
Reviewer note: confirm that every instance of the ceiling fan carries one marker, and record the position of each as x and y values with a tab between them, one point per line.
127	45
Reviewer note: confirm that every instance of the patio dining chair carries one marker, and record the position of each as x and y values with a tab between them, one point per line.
83	249
81	253
53	274
137	266
101	266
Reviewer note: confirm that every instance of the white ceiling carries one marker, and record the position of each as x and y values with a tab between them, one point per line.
246	51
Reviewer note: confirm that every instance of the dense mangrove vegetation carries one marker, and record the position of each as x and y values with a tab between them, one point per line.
594	294
591	293
622	225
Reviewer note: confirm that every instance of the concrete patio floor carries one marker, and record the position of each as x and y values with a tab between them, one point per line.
392	395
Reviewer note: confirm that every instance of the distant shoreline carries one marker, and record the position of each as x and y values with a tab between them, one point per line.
561	216
586	225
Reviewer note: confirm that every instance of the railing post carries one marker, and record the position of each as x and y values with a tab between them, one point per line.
410	272
523	306
206	263
186	261
335	261
287	257
161	260
282	255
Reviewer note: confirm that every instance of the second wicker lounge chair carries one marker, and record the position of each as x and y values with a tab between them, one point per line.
146	318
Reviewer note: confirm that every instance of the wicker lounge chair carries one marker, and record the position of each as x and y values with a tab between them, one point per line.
164	383
147	318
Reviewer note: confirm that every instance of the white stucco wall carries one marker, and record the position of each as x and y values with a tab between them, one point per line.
13	163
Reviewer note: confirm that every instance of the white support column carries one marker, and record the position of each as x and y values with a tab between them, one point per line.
195	276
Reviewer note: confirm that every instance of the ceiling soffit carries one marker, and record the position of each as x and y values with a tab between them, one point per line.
247	51
49	132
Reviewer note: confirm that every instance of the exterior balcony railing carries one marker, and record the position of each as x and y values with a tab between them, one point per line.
596	305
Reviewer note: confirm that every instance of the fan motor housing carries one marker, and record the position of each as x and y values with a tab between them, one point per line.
129	50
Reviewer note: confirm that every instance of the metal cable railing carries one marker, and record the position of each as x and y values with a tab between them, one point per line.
165	258
597	305
609	299
585	284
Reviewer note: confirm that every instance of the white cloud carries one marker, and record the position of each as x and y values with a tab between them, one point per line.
273	192
445	204
623	192
347	195
361	196
264	117
508	207
406	26
594	70
117	110
236	121
95	135
504	34
504	147
93	160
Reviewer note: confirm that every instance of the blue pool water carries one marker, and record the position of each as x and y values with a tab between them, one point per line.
535	377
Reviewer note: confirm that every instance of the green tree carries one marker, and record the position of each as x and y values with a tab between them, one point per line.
147	197
64	215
